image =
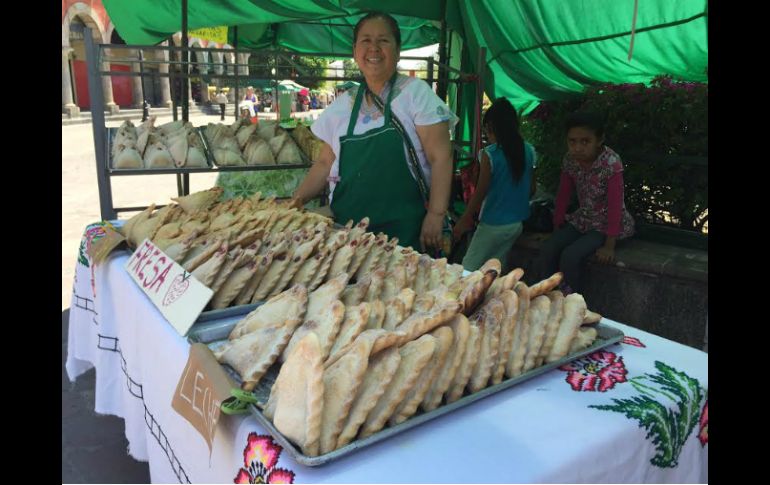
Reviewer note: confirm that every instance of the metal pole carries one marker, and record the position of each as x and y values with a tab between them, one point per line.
442	59
479	100
99	130
458	110
186	87
274	73
185	66
145	107
172	78
236	96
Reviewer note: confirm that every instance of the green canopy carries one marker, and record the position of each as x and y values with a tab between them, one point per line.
535	49
305	26
552	49
290	85
347	85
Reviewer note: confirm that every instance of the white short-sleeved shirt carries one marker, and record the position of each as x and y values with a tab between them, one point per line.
414	103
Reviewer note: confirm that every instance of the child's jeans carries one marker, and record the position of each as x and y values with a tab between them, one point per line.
565	251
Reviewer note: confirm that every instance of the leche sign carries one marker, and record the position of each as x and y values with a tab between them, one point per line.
173	291
201	389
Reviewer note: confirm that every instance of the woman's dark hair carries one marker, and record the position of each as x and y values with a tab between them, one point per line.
392	24
585	119
501	117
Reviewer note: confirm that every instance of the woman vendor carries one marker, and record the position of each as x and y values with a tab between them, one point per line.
386	152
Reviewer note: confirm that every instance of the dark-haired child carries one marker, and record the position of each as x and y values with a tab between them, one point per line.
504	187
595	171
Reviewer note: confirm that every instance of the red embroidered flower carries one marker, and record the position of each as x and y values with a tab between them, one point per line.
633	341
703	435
259	459
602	368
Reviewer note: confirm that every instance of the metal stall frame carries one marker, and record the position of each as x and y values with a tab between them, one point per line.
98	54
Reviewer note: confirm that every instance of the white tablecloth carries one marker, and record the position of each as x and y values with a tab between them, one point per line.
634	412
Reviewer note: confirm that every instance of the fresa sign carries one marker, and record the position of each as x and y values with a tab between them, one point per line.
174	291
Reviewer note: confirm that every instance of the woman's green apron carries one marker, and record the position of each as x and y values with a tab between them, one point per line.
375	181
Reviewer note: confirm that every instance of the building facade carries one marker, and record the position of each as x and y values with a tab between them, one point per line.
129	91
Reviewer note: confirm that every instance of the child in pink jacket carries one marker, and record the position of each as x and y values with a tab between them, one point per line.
595	171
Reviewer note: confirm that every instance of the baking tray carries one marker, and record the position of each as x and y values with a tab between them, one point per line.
215	333
225	313
110	136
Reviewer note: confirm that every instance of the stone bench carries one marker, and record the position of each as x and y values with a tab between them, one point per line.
659	288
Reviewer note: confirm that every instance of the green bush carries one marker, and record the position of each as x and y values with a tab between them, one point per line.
660	132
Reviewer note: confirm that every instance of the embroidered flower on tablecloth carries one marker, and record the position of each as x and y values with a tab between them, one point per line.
633	341
601	368
259	459
93	233
703	434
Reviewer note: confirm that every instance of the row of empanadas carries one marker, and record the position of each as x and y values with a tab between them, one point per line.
172	145
420	365
243	143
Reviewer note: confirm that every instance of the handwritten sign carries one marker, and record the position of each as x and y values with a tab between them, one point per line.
215	34
174	291
201	389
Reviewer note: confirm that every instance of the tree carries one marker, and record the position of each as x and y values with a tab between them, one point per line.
290	66
351	68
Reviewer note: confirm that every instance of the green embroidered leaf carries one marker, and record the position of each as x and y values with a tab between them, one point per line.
82	255
689	392
653	417
668	429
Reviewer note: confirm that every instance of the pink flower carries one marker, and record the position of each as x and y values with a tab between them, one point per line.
633	341
703	435
260	456
601	368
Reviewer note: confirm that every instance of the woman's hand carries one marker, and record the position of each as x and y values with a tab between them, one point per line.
430	236
605	255
316	178
295	203
463	225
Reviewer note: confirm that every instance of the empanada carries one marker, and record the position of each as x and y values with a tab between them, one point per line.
296	400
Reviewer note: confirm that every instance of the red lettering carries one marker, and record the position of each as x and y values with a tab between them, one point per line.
162	277
148	247
140	273
146	283
147	263
141	255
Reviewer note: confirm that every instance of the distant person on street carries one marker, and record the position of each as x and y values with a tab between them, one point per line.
250	96
222	100
145	110
247	111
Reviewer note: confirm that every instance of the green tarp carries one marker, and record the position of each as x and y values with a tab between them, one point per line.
551	49
535	49
306	26
347	85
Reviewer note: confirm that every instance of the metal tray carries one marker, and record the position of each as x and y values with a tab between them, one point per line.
110	136
214	334
225	313
304	163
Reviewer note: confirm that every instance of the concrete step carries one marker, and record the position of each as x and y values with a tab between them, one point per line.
136	113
